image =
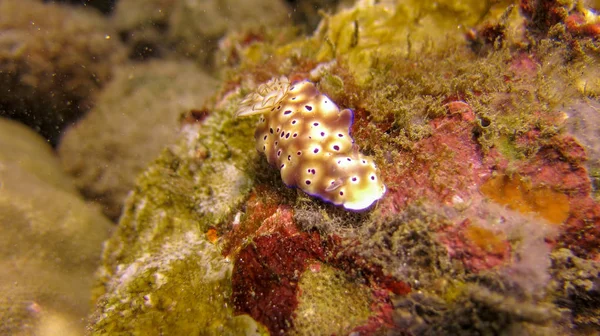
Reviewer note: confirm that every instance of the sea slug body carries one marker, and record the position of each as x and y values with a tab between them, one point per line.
305	135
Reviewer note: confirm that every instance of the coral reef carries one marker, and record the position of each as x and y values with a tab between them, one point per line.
489	224
136	115
53	61
50	240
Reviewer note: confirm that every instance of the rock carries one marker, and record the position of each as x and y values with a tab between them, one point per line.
53	60
50	240
135	117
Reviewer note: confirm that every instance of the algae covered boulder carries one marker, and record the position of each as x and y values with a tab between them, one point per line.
160	269
50	240
137	114
53	61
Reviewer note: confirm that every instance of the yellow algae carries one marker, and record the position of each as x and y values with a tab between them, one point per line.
520	196
371	31
486	239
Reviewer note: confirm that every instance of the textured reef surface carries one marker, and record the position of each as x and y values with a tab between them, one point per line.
490	223
481	119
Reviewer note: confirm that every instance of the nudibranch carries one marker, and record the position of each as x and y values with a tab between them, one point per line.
305	135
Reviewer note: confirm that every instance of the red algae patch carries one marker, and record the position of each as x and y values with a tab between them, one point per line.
262	204
281	221
447	164
520	196
266	275
582	230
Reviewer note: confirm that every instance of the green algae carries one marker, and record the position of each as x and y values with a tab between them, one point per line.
406	248
329	303
480	307
181	288
574	284
159	271
368	32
